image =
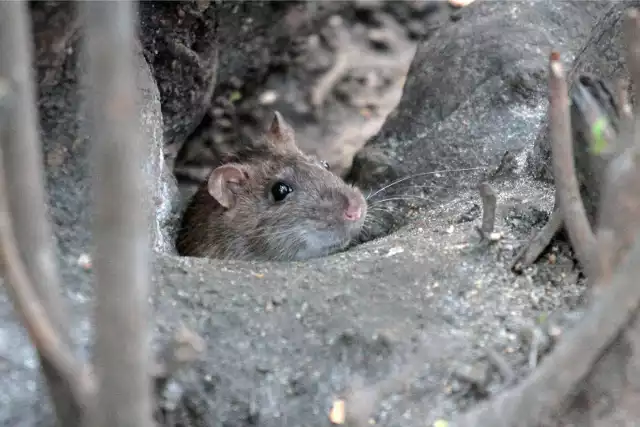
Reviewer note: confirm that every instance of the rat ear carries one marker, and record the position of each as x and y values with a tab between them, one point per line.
222	181
280	132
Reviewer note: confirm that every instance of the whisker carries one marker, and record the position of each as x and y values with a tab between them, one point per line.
408	197
398	181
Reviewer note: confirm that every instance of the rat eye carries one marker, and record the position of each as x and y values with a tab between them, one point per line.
280	190
324	164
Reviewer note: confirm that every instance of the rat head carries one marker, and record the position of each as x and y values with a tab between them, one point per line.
282	205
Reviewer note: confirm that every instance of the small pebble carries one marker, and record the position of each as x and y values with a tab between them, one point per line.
84	261
495	236
335	20
394	251
460	3
268	97
337	414
476	374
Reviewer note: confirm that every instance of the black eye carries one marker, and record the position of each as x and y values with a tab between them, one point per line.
325	164
280	190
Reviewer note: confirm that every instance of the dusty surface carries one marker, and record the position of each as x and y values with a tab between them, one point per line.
284	340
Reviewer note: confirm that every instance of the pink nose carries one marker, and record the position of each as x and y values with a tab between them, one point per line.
353	212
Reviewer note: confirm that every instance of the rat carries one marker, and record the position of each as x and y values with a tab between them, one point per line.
271	202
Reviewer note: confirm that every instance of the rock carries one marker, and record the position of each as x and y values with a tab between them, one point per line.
335	70
284	364
67	151
283	340
180	43
476	91
601	57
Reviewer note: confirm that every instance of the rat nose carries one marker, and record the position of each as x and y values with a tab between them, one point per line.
353	212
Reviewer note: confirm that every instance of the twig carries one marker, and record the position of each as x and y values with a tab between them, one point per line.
631	31
545	390
45	338
488	197
624	106
25	195
121	229
568	192
540	241
507	374
323	86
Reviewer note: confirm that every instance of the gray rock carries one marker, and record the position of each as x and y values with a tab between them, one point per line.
476	88
179	40
475	92
284	341
335	70
184	44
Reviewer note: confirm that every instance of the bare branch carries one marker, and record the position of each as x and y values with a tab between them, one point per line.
622	95
25	195
488	197
619	209
35	318
76	382
121	229
568	192
539	242
631	31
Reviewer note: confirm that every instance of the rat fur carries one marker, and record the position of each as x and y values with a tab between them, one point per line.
271	203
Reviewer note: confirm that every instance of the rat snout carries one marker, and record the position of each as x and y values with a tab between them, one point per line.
353	212
354	209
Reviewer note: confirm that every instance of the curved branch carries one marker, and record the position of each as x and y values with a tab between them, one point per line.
36	320
54	351
631	31
567	187
32	264
121	223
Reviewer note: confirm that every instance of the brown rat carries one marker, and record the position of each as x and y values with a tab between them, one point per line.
273	203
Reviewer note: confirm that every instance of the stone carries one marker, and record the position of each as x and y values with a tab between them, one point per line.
179	40
335	70
472	96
